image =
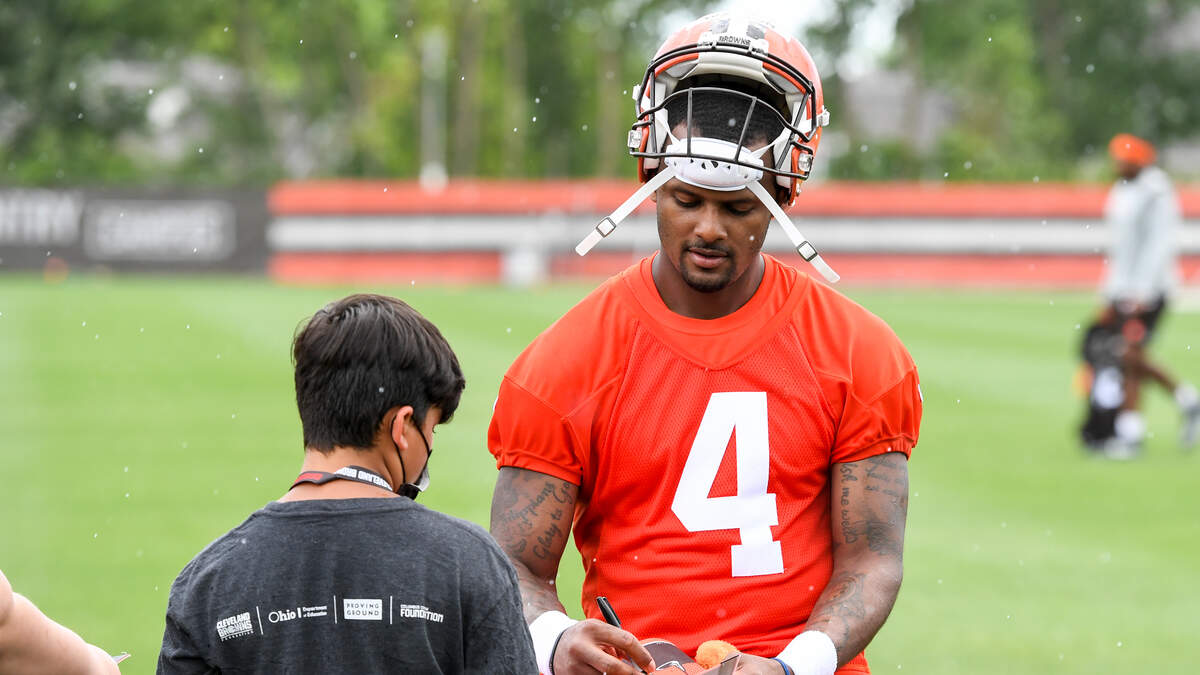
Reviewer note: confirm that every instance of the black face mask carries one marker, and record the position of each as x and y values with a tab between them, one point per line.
412	490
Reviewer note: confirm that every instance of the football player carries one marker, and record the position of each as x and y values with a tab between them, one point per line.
1142	212
726	436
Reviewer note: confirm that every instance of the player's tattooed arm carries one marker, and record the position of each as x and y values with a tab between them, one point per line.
531	518
870	505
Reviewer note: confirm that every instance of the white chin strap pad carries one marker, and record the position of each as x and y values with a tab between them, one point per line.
805	249
713	174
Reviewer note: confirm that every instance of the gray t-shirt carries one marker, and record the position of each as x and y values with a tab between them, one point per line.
1144	218
348	586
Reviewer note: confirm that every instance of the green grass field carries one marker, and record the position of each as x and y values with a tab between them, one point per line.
141	418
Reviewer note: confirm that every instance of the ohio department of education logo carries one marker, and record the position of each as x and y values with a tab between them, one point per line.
235	626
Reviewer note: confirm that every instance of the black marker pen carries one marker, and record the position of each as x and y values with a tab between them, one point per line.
610	617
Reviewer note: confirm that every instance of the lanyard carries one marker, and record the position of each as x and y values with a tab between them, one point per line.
354	473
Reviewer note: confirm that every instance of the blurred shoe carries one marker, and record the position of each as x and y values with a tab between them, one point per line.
1121	450
1191	427
1189	406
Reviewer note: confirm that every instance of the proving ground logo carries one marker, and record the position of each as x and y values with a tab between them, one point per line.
362	609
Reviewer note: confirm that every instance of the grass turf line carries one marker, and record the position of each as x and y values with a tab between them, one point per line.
142	417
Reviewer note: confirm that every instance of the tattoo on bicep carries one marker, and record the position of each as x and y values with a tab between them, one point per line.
515	524
879	534
880	521
847	471
545	547
888	474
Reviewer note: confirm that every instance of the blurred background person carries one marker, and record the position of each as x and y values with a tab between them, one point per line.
32	643
1143	216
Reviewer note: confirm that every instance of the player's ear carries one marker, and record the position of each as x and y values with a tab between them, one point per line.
395	421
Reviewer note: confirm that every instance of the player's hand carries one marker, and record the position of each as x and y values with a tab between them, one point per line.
757	665
592	646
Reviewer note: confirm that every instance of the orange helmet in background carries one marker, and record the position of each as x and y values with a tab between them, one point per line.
1131	150
750	59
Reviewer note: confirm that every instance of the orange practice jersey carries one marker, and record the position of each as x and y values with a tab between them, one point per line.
702	449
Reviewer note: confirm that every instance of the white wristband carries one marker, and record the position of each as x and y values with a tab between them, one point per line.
545	631
810	653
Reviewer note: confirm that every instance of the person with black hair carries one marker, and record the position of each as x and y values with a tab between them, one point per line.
346	572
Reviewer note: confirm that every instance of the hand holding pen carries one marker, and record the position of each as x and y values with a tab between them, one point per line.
599	646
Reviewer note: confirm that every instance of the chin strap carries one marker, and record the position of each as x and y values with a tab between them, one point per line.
606	226
803	247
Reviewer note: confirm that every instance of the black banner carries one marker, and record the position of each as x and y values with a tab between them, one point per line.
170	231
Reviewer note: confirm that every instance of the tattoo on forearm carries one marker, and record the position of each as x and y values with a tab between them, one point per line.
537	595
840	605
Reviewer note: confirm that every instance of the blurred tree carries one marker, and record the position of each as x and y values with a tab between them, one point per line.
249	91
1039	85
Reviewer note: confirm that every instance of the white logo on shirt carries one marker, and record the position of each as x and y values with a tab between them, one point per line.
420	612
360	609
235	626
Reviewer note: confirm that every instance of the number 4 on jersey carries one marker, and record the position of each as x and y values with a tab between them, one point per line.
752	510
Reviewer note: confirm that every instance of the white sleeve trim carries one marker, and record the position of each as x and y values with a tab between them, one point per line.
545	631
810	653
